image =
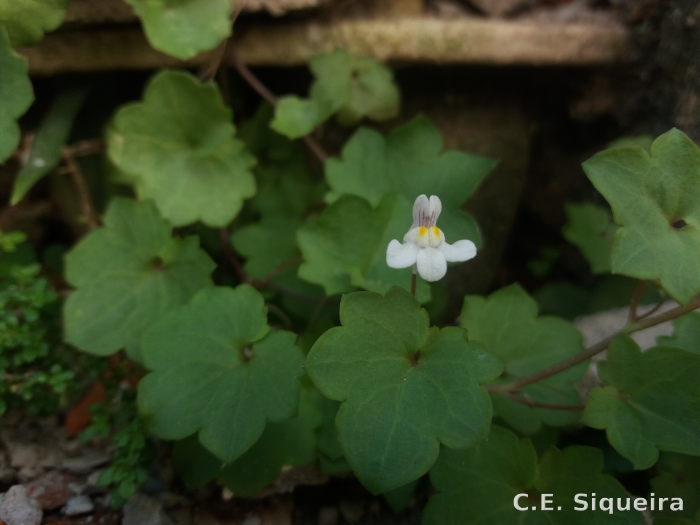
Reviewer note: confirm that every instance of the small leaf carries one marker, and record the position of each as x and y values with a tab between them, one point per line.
16	94
590	228
354	87
405	388
296	117
686	333
27	20
651	403
48	142
218	371
179	144
507	325
480	484
655	196
128	274
184	28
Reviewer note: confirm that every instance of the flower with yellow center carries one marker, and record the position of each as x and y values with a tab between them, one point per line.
424	246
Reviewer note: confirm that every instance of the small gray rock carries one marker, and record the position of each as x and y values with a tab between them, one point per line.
78	505
144	510
17	508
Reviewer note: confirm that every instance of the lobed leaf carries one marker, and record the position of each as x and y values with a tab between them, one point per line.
507	325
217	370
478	485
184	28
179	145
26	21
405	388
655	196
127	275
651	402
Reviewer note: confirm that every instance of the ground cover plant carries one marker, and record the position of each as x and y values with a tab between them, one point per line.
251	301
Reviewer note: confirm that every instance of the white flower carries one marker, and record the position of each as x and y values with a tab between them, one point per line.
424	244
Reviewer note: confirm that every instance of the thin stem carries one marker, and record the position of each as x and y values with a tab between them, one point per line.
85	147
231	258
536	404
281	315
290	263
651	311
262	90
76	174
596	348
636	297
413	283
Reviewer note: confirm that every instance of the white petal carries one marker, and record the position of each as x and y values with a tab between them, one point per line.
435	208
401	255
460	251
431	264
420	208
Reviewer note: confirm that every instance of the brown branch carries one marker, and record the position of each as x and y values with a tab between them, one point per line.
651	311
73	169
231	258
597	348
290	263
636	297
536	404
262	90
85	147
22	211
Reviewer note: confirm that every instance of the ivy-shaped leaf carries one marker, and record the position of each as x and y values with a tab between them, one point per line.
179	145
16	95
353	87
479	484
218	370
27	20
127	275
296	117
590	228
290	442
651	402
48	141
655	196
345	247
409	162
405	388
686	333
184	28
507	325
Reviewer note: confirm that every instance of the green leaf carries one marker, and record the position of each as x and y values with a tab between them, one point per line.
507	325
590	228
296	117
478	485
354	87
652	402
179	144
289	442
128	274
27	20
678	477
405	388
52	135
686	333
345	247
655	196
184	28
16	95
217	370
410	161
267	245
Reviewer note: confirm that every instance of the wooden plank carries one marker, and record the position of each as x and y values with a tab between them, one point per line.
412	40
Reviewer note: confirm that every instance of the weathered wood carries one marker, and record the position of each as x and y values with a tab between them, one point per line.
416	40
